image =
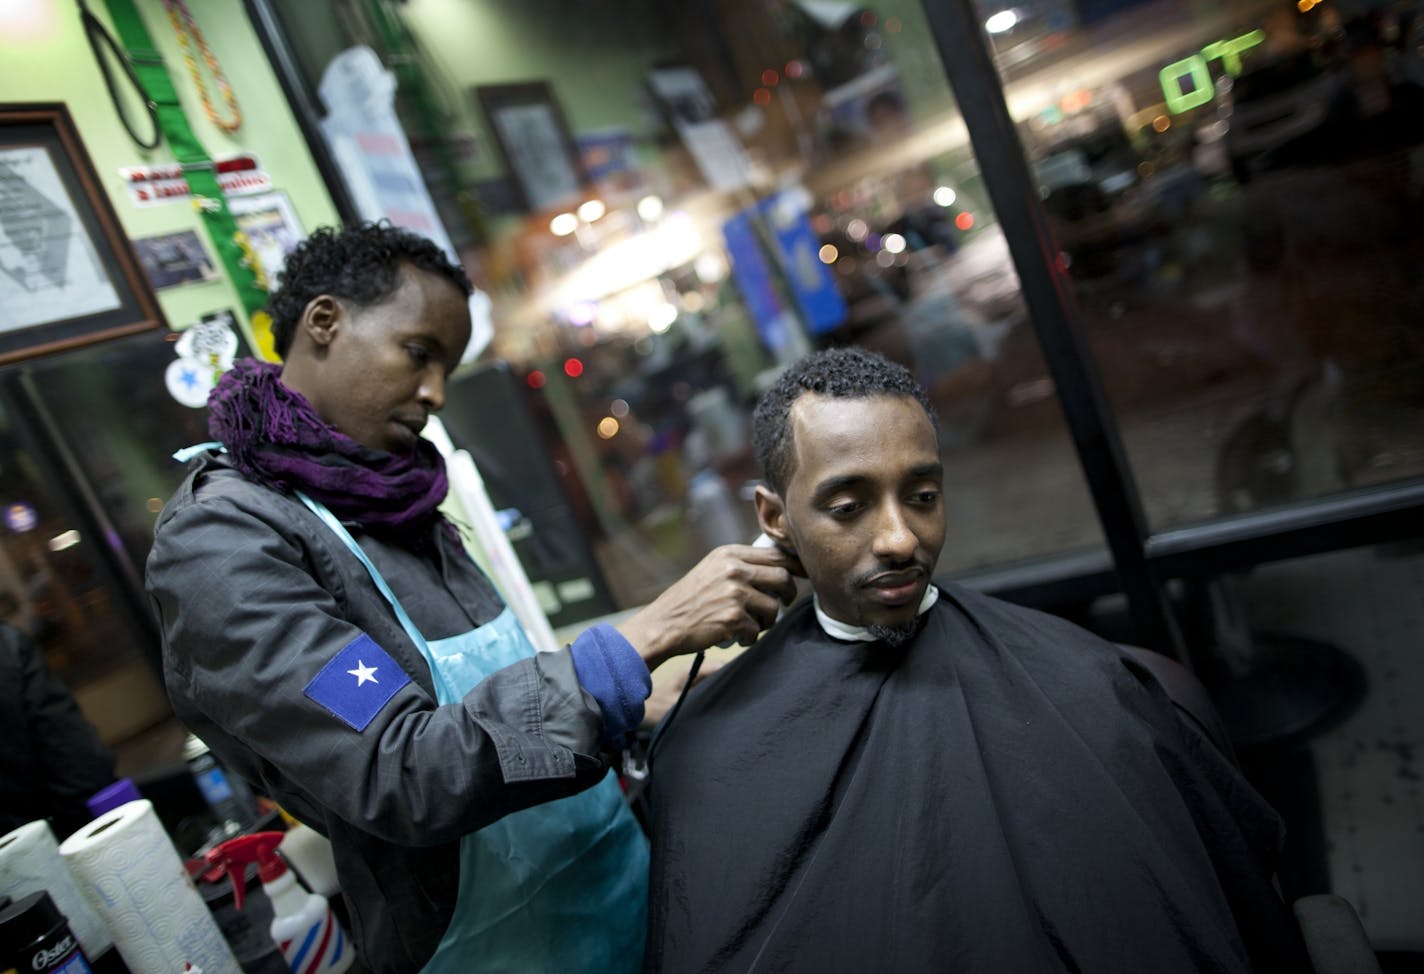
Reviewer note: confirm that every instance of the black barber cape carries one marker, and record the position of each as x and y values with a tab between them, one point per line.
1007	793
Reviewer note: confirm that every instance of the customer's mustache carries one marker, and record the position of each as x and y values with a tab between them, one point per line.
889	577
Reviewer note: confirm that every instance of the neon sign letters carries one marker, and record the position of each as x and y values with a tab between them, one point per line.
1198	70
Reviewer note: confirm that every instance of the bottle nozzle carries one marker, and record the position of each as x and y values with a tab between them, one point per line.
230	858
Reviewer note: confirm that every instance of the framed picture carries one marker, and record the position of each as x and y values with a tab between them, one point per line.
534	141
68	276
271	226
171	259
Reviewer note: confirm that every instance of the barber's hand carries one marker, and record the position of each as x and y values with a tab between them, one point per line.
733	593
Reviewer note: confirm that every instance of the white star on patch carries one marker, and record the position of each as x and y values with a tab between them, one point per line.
364	674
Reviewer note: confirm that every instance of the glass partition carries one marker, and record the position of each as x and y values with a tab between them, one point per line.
1237	194
668	204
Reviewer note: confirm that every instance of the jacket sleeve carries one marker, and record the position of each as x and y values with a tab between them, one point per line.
247	628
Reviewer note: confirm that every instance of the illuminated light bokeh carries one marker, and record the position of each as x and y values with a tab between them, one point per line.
885	259
535	379
944	196
964	220
650	208
563	224
573	368
622	263
710	267
769	77
1002	21
893	242
662	318
583	313
867	18
591	210
856	229
608	427
829	253
154	504
693	301
1161	123
619	408
795	69
63	540
762	96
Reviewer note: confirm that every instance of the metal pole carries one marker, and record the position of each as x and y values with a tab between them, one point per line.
963	50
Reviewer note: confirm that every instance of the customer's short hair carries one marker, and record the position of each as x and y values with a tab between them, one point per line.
359	264
842	373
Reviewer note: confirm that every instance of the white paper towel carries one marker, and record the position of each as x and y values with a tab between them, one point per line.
29	862
128	870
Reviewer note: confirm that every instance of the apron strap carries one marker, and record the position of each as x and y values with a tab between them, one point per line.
189	452
321	511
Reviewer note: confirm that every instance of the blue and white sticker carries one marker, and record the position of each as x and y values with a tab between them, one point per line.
358	682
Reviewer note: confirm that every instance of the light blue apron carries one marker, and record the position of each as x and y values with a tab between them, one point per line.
561	887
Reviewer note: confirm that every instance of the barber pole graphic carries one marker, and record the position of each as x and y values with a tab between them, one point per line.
322	951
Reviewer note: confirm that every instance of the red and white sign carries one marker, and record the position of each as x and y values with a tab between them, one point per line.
237	176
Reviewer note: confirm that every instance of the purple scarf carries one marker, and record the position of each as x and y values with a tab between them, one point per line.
275	437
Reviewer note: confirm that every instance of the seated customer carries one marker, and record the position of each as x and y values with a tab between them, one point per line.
900	777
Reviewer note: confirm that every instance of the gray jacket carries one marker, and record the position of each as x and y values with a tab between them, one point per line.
254	596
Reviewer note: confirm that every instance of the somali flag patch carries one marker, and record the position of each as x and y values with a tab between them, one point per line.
358	682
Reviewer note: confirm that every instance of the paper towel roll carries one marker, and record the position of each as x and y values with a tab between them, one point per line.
29	862
128	870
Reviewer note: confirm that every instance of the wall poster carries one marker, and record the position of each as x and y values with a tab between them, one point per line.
68	277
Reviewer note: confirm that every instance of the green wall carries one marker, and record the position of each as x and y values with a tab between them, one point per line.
44	57
595	56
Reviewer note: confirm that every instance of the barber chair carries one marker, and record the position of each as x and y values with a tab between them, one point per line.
1334	938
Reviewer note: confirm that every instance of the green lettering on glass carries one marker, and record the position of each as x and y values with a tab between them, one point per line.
1228	52
1171	76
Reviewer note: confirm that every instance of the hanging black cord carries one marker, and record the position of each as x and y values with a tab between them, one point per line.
96	32
667	720
638	773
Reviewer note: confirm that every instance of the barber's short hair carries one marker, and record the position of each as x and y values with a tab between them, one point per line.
842	373
359	264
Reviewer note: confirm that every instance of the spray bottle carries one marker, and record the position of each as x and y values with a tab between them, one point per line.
306	932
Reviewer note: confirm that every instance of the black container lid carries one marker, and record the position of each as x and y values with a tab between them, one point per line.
28	919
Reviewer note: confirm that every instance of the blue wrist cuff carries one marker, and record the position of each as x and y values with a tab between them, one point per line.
611	670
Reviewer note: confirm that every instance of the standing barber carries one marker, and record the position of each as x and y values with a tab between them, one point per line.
326	634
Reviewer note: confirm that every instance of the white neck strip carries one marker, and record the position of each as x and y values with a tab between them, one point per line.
860	634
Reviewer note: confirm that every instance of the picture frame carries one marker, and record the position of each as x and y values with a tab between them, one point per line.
68	275
534	142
